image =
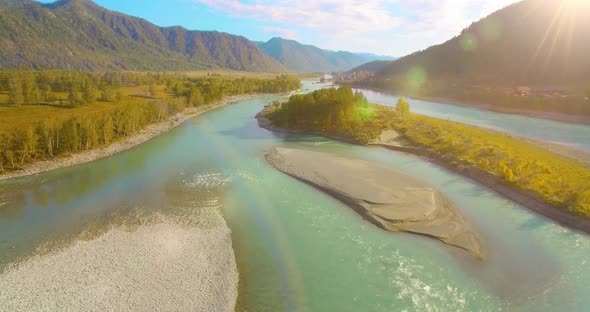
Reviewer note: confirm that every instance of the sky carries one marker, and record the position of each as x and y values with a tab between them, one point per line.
387	27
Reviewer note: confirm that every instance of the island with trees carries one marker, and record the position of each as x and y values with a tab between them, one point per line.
551	184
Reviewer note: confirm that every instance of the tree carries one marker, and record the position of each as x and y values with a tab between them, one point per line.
106	92
194	97
30	89
108	129
403	108
26	144
9	154
45	93
15	92
74	98
4	144
88	92
45	133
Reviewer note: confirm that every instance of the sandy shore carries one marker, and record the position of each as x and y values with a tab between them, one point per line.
386	197
168	265
127	143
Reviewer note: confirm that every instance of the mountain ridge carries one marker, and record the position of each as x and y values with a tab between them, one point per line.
309	58
527	42
79	34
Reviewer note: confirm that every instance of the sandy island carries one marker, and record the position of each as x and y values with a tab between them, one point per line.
388	198
392	140
127	143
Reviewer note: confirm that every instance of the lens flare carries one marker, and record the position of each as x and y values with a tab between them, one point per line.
417	76
490	30
468	42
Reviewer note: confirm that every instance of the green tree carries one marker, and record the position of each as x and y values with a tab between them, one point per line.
31	94
15	92
26	144
46	134
107	129
106	92
194	97
74	98
403	108
88	92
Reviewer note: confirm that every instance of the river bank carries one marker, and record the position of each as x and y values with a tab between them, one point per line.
164	265
143	136
553	116
484	178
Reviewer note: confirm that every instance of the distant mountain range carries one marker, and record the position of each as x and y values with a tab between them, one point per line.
307	58
79	34
530	42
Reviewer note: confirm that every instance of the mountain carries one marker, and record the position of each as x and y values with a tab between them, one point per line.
373	67
79	34
308	58
370	57
540	42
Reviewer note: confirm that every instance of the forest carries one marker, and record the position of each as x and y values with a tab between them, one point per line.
339	112
50	114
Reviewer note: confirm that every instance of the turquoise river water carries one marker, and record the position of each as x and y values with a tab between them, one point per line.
298	249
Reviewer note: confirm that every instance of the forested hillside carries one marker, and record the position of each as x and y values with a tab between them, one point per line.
530	57
307	58
80	35
530	42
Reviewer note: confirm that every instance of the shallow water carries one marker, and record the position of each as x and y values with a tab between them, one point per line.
298	249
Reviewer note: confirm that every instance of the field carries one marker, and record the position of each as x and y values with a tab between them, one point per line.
24	116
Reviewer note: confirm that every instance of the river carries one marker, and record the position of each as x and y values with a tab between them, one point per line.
296	248
574	135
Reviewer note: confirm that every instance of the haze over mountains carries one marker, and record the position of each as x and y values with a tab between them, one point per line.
307	58
532	42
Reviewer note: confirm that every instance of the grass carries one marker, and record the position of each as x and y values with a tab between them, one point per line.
22	117
12	117
558	180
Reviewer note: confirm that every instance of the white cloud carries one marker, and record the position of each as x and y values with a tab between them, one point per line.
393	26
446	18
338	17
